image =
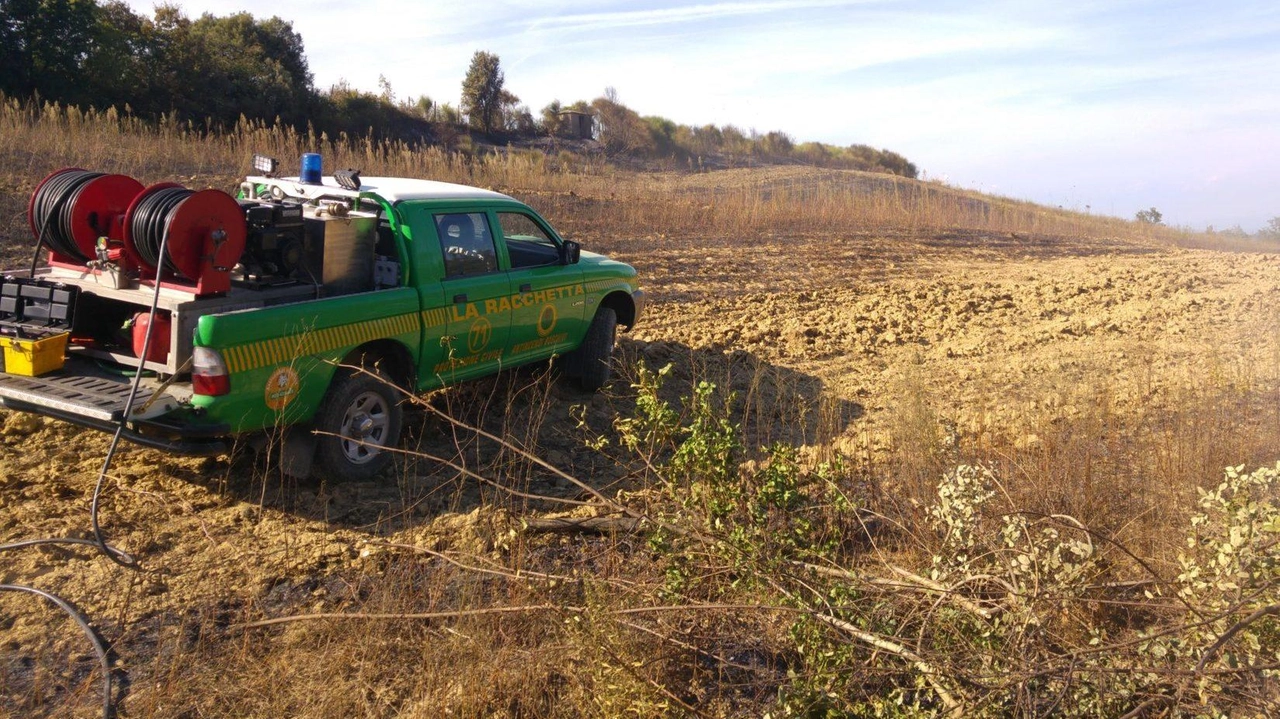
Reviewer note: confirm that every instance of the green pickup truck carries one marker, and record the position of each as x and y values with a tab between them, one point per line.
337	294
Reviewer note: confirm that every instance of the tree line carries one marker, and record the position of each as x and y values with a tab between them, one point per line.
213	70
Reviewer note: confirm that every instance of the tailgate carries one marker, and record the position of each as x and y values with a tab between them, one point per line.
83	389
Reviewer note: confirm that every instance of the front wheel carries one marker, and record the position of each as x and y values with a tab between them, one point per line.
359	420
590	361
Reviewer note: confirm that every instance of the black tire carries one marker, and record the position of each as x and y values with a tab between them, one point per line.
359	416
590	362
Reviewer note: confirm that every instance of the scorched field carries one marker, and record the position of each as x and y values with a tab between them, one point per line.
877	448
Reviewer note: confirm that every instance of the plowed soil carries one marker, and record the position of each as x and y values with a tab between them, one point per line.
825	334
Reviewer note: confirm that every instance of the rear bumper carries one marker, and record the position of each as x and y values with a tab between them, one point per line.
168	435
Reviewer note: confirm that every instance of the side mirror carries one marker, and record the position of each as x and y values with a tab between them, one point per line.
570	252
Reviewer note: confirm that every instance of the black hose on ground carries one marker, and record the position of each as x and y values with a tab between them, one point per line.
99	540
99	646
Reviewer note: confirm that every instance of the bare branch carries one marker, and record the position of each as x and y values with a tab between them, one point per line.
583	525
1239	626
524	609
926	669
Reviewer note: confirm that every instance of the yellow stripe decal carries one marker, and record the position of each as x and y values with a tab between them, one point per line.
599	285
245	357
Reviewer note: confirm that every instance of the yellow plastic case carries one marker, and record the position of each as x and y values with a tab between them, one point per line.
32	358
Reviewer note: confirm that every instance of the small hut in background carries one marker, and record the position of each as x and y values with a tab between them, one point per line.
577	124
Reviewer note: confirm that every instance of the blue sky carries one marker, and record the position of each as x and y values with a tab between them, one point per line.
1115	106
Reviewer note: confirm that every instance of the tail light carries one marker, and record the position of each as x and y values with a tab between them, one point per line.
209	375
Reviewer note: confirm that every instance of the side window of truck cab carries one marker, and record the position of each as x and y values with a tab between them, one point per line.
467	244
528	244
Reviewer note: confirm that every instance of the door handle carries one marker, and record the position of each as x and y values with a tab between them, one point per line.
526	287
459	299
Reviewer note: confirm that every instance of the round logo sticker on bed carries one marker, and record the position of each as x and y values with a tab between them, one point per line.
281	388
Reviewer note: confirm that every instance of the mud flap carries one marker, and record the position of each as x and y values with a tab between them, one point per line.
298	453
296	449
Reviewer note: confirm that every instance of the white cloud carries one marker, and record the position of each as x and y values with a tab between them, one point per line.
630	19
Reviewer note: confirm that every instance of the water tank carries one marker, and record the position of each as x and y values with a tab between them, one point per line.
339	250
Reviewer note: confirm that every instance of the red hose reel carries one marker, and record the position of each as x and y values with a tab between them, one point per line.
71	208
202	233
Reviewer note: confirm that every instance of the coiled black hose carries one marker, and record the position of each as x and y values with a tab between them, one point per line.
149	225
98	542
51	210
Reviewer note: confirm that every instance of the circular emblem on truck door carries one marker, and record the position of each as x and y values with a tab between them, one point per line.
479	336
282	387
547	319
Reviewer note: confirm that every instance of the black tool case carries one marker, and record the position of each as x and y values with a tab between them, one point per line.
35	309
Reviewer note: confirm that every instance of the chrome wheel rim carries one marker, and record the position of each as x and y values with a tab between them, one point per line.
364	427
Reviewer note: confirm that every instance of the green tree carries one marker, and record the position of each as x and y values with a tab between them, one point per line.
44	45
735	143
1150	216
257	68
706	140
621	129
663	132
897	164
813	153
482	92
116	72
215	68
776	144
518	118
551	118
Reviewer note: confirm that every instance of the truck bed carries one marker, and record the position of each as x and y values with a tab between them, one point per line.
85	394
185	308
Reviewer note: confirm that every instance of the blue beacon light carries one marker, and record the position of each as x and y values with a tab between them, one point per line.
311	168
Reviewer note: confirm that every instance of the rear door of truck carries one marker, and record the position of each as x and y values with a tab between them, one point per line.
461	284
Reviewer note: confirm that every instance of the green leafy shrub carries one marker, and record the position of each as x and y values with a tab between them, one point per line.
992	610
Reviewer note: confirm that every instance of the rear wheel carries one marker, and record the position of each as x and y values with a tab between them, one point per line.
359	421
590	362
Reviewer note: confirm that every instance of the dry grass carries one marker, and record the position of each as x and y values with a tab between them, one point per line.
825	588
582	193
